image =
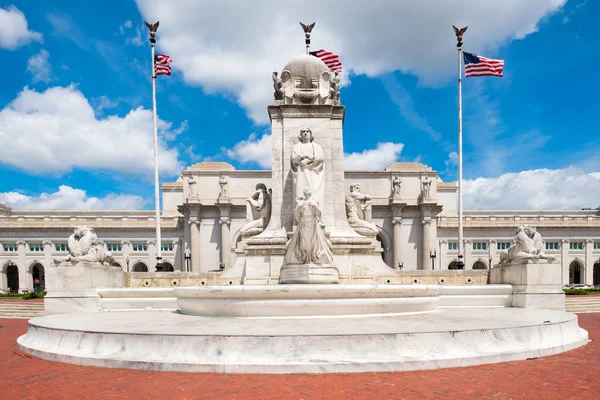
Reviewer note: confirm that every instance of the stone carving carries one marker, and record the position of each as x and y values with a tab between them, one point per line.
223	185
192	187
528	246
359	212
396	186
85	246
426	188
258	211
308	244
307	167
306	80
278	86
334	90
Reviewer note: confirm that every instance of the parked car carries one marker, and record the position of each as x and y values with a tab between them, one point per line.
582	286
569	286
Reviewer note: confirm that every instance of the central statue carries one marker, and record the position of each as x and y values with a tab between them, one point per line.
308	244
307	167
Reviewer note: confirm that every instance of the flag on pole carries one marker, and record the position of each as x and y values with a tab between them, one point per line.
480	66
330	59
162	65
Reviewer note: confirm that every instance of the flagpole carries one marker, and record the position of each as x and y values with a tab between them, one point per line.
159	263
460	263
307	29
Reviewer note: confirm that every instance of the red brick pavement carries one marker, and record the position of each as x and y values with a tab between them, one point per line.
571	375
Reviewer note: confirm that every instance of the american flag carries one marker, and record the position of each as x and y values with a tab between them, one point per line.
162	65
480	66
330	59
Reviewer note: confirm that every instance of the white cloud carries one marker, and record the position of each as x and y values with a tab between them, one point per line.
257	150
540	189
68	198
14	32
103	103
40	67
373	160
232	47
254	150
56	130
133	40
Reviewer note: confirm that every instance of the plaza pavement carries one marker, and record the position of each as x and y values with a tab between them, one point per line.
571	375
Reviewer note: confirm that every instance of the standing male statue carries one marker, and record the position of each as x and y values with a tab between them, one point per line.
192	187
426	187
307	166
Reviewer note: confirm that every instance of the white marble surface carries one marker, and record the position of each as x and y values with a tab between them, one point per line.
172	342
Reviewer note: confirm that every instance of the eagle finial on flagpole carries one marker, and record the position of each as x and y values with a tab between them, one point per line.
307	30
459	34
152	28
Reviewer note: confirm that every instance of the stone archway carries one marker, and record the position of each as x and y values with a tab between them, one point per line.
596	280
575	272
479	264
139	267
12	277
453	265
168	266
386	244
38	277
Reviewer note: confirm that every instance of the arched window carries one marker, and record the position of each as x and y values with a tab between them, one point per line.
453	265
168	267
12	278
597	273
38	277
140	267
479	265
575	272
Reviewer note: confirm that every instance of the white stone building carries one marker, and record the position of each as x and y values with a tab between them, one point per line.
204	210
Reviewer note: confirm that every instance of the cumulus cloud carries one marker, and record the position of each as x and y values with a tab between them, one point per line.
254	150
233	47
56	130
14	32
39	67
68	198
257	150
375	159
540	189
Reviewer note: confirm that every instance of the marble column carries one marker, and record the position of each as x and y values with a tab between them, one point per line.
589	262
177	255
492	251
564	252
425	258
225	223
468	250
126	251
22	264
195	243
397	221
443	256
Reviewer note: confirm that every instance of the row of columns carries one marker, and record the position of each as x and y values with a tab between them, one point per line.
428	215
192	235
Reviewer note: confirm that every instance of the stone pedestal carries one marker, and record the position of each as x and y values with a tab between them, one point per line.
73	288
537	284
309	273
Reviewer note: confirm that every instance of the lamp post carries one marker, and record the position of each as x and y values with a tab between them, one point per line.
432	255
127	263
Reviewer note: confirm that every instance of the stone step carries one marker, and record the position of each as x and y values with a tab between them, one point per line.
22	306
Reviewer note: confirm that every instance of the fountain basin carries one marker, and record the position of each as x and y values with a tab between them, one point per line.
306	300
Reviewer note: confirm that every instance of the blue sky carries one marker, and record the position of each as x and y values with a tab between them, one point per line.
75	104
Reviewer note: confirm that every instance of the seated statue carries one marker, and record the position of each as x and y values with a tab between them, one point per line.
528	246
258	211
308	244
85	246
359	212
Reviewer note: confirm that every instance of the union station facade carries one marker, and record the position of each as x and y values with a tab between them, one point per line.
201	233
